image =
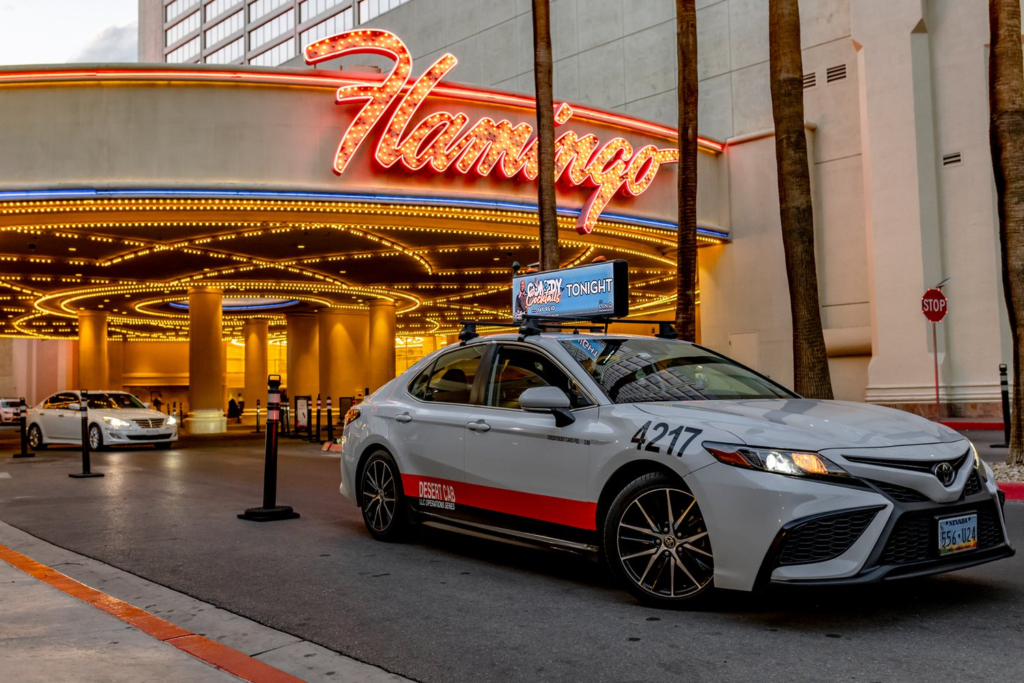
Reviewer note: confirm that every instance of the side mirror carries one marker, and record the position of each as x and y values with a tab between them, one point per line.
548	400
74	406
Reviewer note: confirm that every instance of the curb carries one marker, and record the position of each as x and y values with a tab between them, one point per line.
968	425
1012	491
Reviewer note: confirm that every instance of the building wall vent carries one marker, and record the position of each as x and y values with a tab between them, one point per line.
951	159
835	73
810	80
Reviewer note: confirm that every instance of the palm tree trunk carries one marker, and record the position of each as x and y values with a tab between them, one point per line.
542	64
810	362
1006	137
686	254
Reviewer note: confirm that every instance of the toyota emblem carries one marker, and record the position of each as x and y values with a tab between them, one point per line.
944	472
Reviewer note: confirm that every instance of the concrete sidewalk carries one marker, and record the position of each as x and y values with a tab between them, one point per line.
49	635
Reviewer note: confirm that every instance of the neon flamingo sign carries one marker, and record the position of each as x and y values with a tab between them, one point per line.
442	142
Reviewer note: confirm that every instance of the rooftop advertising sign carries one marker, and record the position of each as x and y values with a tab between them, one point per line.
445	141
597	290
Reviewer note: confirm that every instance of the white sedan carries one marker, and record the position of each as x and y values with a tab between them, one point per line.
115	418
681	468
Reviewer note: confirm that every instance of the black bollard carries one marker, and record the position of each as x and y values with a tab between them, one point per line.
1004	389
330	422
271	511
83	409
23	419
316	439
257	430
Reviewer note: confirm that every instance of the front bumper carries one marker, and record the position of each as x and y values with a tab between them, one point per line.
129	436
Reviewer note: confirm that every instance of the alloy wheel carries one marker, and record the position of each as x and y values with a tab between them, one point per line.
663	544
95	438
379	495
35	437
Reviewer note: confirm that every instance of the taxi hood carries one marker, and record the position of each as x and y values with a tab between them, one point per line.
809	424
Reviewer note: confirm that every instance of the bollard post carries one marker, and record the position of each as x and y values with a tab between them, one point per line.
23	419
83	410
317	438
257	430
330	422
271	511
1004	389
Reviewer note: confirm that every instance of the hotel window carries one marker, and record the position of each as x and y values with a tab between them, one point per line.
218	7
182	28
272	29
368	9
177	8
186	52
225	28
313	8
227	54
328	27
275	55
261	8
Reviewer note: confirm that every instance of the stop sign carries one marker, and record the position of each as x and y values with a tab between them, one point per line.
933	305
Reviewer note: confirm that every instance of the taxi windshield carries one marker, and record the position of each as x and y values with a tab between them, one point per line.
114	401
648	370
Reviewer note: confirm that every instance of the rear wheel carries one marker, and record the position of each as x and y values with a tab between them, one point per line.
35	438
382	499
656	542
95	437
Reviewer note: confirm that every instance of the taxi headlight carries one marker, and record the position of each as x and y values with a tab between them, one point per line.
790	463
117	422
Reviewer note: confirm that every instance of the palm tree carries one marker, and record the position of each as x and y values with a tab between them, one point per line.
1006	137
542	62
810	362
686	254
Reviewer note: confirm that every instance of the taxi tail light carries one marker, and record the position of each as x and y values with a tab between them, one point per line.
351	415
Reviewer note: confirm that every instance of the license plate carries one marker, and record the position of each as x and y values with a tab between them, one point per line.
957	534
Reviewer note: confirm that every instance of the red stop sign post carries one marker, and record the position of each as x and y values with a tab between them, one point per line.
935	306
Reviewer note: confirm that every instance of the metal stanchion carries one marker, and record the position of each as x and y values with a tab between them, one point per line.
257	430
330	422
271	511
1004	389
312	438
83	409
23	419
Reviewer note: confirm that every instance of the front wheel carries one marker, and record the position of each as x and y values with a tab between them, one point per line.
35	438
382	499
656	542
95	437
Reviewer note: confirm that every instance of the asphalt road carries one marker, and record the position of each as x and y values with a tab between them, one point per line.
451	608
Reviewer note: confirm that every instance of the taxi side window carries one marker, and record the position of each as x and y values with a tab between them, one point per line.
450	378
517	369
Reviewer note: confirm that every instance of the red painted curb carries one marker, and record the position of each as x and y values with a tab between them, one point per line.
980	426
1012	491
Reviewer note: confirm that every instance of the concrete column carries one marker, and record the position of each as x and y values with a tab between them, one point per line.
344	348
382	343
303	356
93	361
205	362
255	336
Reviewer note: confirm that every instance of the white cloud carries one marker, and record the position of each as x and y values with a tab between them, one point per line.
112	44
55	31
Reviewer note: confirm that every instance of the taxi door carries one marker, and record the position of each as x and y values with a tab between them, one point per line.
520	466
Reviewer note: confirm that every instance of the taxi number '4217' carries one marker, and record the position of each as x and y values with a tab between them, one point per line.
659	433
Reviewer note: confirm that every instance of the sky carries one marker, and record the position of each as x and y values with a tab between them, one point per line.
57	31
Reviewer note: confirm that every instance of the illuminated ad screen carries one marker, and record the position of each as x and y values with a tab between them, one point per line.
597	290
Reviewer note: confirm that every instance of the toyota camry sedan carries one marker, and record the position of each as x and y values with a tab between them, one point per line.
115	418
680	468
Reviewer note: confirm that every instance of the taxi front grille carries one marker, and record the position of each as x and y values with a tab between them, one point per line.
973	484
152	423
825	538
915	536
901	494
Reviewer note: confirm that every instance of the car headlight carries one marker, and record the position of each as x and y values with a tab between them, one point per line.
171	421
790	463
977	462
117	422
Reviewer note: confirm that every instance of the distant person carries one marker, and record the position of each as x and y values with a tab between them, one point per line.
232	409
157	404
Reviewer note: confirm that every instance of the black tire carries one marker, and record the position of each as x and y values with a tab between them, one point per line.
35	438
95	438
658	566
382	498
163	446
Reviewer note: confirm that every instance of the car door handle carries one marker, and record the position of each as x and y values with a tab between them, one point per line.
404	417
479	426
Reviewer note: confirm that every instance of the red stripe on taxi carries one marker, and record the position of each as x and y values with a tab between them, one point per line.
575	513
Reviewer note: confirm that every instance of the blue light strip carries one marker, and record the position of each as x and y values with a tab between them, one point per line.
230	309
31	195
